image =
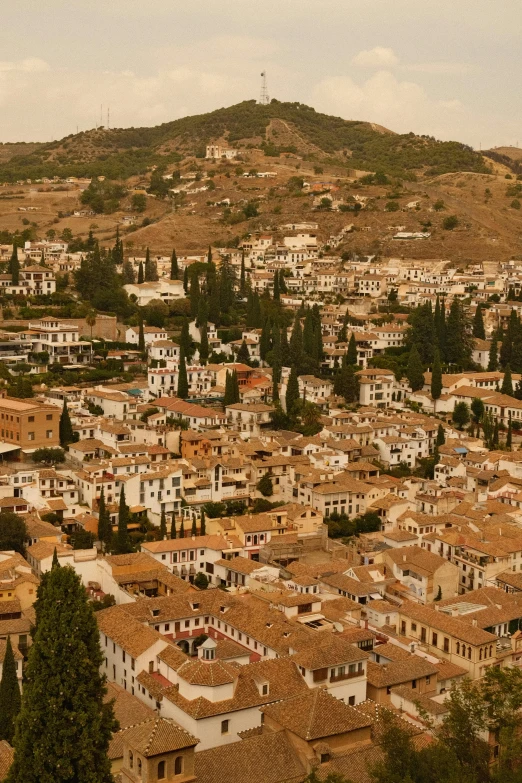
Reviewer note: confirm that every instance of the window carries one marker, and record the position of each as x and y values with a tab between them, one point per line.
178	765
30	436
434	639
131	760
31	418
224	726
49	434
161	770
351	700
49	417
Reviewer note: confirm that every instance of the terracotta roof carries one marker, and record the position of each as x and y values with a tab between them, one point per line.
157	736
315	715
328	651
399	671
131	635
6	758
210	673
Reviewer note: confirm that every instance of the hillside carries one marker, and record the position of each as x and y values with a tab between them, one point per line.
277	128
511	157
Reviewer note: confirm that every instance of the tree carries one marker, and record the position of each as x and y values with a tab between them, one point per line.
243	354
277	292
507	383
173	526
127	273
104	523
478	324
438	597
436	378
231	388
141	274
201	581
90	319
349	383
139	202
174	269
450	222
13	532
122	543
509	437
459	343
49	456
203	346
493	356
441	437
296	344
292	391
351	354
461	415
193	529
414	370
182	528
477	409
151	268
65	428
183	387
64	727
194	293
242	278
265	486
462	727
163	525
14	266
9	695
203	527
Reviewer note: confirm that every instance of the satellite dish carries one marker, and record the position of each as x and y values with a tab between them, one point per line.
338	627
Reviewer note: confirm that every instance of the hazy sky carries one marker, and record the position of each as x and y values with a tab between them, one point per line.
449	68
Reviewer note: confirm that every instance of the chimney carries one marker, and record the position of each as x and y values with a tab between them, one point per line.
404	558
474	622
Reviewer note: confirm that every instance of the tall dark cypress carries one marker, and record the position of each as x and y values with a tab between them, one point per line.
351	355
163	525
183	387
9	695
478	324
194	294
141	274
121	541
14	266
203	345
243	355
296	345
141	333
64	728
186	280
242	279
203	527
104	522
277	293
265	343
308	334
292	391
65	428
173	526
174	270
285	348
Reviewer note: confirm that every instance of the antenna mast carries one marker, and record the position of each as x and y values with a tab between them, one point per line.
264	99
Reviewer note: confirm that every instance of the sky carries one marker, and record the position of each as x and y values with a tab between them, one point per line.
447	68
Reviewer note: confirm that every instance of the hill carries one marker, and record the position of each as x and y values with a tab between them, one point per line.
511	157
277	128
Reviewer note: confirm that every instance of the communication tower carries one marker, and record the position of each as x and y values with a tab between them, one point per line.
264	99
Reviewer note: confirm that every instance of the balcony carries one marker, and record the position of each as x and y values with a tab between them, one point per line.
346	676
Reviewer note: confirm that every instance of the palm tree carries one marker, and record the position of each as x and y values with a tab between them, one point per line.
90	319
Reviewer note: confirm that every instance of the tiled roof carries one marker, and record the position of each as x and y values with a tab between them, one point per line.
6	758
329	650
398	672
316	715
131	635
210	673
157	736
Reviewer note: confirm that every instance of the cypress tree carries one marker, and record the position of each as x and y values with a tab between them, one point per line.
414	370
55	563
292	391
493	356
14	266
285	348
141	275
351	355
318	353
214	305
243	354
459	344
209	255
186	280
282	282
194	294
185	341
174	270
202	316
436	319
496	431
151	268
478	324
141	334
203	346
507	383
122	543
242	279
173	526
182	528
350	385
234	387
163	525
436	379
441	437
183	387
193	529
254	317
104	523
509	438
203	526
65	429
127	273
296	345
265	345
308	335
64	728
9	695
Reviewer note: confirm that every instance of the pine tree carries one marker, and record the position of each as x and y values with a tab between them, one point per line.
104	523
173	526
242	279
414	370
493	356
441	437
64	727
351	355
436	378
243	354
121	541
478	324
203	526
163	525
203	346
66	430
141	274
14	266
507	383
182	528
141	333
292	391
183	387
9	695
193	529
174	270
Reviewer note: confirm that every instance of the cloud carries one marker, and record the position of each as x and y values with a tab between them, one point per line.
385	99
378	57
441	67
29	65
